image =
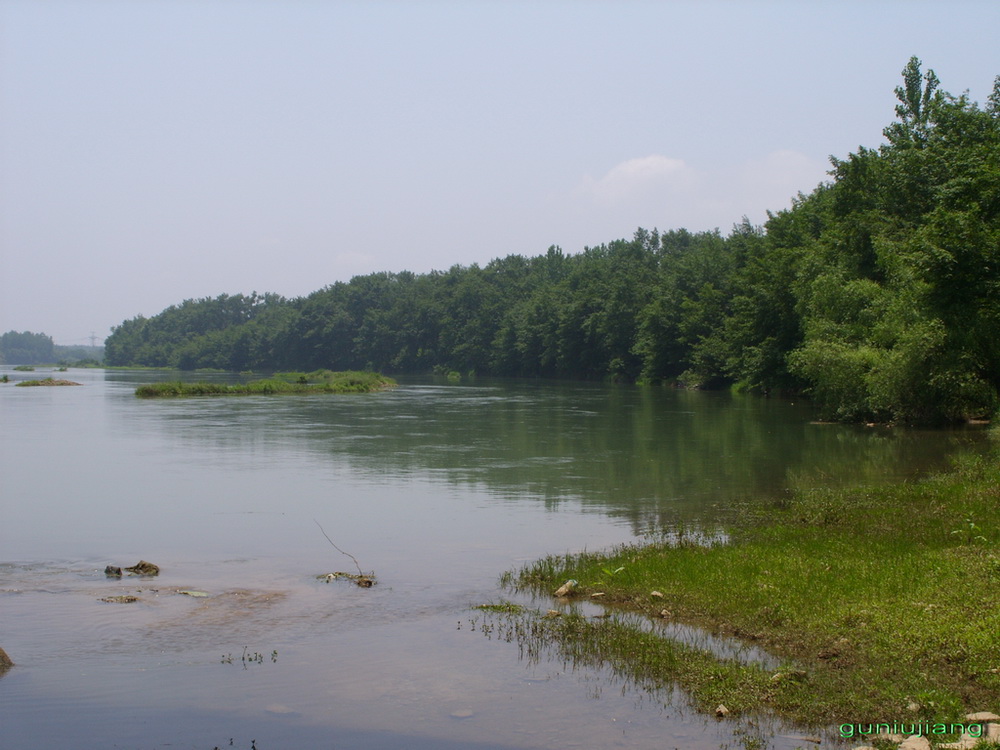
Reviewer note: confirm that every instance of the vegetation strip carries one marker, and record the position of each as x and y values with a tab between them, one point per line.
321	381
46	381
884	604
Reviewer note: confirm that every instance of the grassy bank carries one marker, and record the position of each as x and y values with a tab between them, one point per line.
883	604
321	381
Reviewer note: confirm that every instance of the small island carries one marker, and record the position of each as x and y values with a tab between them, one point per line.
319	381
47	381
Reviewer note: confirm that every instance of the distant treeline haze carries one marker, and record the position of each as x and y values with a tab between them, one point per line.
878	293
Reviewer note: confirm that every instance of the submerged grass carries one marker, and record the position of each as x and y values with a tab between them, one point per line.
884	603
321	381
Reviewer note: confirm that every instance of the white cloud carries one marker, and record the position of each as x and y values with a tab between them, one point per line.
668	193
637	180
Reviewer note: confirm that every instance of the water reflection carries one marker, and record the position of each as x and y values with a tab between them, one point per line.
649	456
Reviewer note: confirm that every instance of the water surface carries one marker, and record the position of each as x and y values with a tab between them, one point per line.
436	488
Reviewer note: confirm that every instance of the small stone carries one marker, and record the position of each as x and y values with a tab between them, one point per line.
789	674
721	711
665	613
657	594
913	706
113	571
915	742
143	568
597	595
553	613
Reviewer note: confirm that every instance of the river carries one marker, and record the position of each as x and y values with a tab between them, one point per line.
437	488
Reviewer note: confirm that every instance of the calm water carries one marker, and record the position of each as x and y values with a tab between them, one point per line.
436	488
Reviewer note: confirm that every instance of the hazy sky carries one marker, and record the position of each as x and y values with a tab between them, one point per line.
157	150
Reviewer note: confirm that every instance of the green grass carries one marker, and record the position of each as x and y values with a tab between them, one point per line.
323	381
875	599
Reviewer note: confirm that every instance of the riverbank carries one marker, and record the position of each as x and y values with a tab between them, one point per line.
880	604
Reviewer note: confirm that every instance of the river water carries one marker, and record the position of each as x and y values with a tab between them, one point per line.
437	488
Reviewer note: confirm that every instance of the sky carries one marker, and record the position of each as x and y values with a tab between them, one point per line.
163	150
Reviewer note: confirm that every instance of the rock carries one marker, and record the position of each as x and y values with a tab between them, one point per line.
566	588
5	662
597	595
665	613
982	716
915	742
113	572
143	568
553	613
993	732
721	711
657	594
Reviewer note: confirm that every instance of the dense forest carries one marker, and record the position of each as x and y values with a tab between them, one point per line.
26	348
878	294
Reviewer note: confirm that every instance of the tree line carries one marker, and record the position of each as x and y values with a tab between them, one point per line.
26	348
878	293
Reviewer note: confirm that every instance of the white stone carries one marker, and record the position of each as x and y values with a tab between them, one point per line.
915	742
982	716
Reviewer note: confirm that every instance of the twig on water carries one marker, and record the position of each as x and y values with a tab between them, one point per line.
356	563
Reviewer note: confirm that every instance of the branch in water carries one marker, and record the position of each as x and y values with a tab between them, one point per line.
348	554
